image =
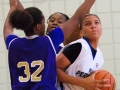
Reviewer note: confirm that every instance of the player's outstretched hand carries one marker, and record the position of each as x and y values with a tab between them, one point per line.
92	84
19	5
16	5
13	3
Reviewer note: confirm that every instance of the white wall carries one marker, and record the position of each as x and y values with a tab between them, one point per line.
107	10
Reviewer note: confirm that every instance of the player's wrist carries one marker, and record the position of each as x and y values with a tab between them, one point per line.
82	82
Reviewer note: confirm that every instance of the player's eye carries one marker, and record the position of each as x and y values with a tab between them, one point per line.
60	22
96	22
51	20
87	24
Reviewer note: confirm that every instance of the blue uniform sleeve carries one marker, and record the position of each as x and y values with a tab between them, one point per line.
9	39
59	48
57	37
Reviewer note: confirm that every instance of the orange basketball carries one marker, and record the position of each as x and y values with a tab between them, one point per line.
103	74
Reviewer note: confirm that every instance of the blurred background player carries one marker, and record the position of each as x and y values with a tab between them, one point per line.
55	20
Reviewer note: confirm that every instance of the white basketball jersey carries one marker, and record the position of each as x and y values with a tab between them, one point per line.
84	64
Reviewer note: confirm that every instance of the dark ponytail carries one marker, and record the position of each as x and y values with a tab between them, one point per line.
21	20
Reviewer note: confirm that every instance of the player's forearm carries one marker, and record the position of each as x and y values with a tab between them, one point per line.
83	9
75	20
65	78
8	29
19	6
14	5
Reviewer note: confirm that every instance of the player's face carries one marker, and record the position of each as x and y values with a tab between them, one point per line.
55	21
91	27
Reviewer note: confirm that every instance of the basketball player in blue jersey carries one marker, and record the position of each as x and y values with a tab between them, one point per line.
82	57
54	21
32	59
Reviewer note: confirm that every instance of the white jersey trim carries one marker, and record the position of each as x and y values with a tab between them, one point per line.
32	37
11	42
51	43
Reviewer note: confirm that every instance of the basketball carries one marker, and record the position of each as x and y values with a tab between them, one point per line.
103	74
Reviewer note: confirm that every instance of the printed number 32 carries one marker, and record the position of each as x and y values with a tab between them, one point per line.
34	77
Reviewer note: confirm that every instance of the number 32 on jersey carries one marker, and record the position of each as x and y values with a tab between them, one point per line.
33	76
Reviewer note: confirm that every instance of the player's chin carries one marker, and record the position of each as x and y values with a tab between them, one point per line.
95	36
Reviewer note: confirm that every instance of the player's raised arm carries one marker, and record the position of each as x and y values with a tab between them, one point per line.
74	21
8	29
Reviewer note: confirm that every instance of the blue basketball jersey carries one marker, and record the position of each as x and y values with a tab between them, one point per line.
32	62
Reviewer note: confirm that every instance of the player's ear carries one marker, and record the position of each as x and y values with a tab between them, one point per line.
81	33
38	26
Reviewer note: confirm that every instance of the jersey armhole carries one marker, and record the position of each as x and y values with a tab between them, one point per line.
51	43
57	37
72	51
9	40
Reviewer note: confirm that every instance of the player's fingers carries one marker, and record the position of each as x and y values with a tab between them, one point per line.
93	74
94	89
103	85
102	81
12	2
97	89
105	80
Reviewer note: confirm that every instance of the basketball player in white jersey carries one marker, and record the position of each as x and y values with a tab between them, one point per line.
82	57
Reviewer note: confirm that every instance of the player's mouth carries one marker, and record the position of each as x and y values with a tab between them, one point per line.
53	28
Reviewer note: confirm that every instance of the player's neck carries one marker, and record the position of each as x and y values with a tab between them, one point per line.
94	44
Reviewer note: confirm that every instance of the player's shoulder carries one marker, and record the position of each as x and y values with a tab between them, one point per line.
83	42
76	41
